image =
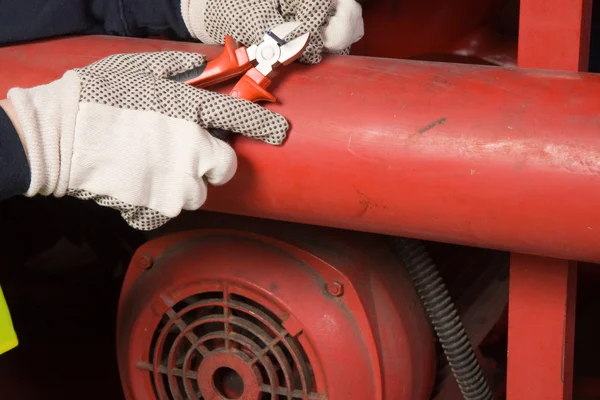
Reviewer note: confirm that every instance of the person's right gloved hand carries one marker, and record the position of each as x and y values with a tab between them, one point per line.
121	133
334	25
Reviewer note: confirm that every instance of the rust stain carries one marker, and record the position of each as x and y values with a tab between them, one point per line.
366	203
364	206
432	125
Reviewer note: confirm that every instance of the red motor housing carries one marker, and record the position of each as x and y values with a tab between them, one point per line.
231	314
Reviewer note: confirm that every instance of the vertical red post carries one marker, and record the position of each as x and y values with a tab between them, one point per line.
553	34
541	328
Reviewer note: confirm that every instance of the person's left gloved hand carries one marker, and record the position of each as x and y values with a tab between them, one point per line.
334	24
121	133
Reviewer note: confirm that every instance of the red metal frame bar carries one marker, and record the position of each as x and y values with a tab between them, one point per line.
541	328
482	156
542	295
555	34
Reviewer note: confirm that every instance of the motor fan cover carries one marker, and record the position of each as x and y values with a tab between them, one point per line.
225	314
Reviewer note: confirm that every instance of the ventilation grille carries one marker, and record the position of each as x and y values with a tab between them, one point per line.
226	346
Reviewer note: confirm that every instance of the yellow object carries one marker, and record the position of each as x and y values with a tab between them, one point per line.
8	336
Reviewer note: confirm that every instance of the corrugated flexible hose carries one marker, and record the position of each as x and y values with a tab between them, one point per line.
444	318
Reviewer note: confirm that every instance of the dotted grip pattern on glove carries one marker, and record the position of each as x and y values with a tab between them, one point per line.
248	21
137	82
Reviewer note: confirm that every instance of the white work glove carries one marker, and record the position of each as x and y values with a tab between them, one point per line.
122	134
334	24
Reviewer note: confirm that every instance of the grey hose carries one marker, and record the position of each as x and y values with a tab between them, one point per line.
444	318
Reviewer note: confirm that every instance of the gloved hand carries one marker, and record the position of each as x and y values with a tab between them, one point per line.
122	134
334	24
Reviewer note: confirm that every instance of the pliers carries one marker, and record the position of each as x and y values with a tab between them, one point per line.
256	63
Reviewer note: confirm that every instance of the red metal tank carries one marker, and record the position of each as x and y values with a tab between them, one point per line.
484	156
240	315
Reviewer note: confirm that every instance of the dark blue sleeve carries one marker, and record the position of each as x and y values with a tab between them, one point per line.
15	174
28	20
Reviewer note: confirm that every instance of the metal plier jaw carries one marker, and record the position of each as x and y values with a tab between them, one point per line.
273	51
256	62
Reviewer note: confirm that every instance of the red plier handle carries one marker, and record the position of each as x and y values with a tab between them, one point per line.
256	63
232	62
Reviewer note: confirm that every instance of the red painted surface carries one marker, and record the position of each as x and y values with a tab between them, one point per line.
543	291
555	34
541	328
371	317
473	155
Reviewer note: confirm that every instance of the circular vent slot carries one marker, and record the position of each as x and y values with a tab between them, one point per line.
226	346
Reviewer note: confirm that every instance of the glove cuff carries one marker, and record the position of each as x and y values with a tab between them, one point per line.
47	116
193	13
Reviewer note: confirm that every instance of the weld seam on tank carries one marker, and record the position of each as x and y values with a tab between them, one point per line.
444	318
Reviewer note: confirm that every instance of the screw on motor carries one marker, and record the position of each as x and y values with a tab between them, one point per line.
145	261
335	288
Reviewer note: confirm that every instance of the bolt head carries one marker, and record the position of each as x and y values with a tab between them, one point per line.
145	261
335	288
